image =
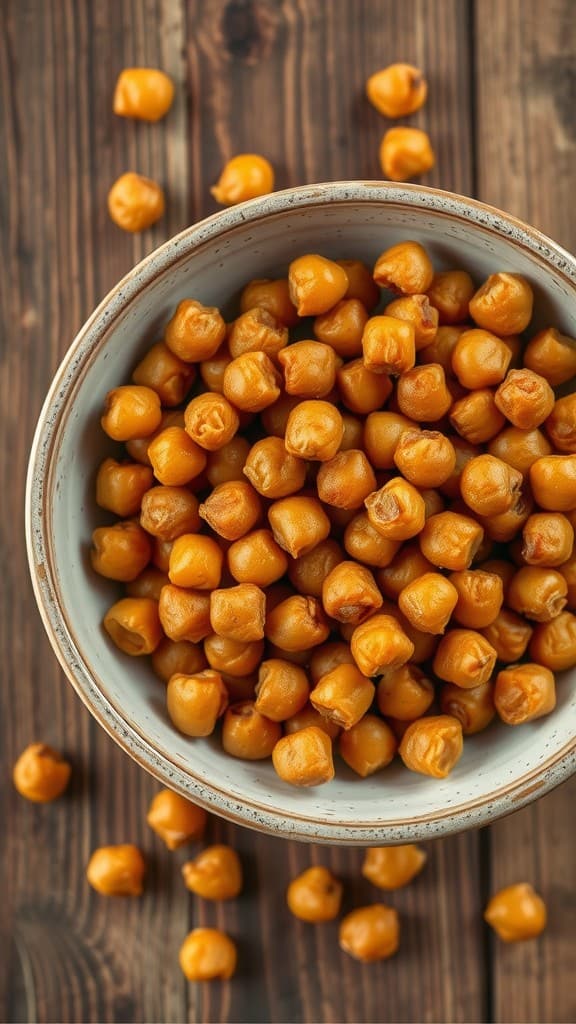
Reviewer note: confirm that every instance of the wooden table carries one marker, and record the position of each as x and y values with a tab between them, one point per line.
285	78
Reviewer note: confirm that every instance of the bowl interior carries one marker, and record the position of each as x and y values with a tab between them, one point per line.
501	767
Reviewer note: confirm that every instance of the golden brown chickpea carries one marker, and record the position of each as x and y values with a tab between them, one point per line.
388	345
196	702
176	459
404	694
273	471
396	510
505	570
370	933
538	593
360	390
346	480
133	625
169	512
422	393
365	544
231	509
161	550
307	717
440	350
167	375
206	954
339	518
238	613
568	570
382	433
553	643
343	695
138	449
520	448
316	284
476	417
307	573
304	757
212	370
314	431
298	523
360	283
523	693
433	501
176	820
416	310
397	90
480	359
251	382
428	602
561	425
120	552
490	486
211	421
342	327
473	708
368	746
148	584
236	658
503	304
405	268
405	153
525	398
41	774
315	895
392	867
228	462
117	870
552	355
480	597
464	657
120	486
273	296
297	624
184	614
274	418
407	565
247	734
214	874
257	330
553	482
135	202
131	412
195	332
516	913
353	432
426	458
509	635
328	657
450	540
464	452
450	293
309	368
180	657
257	558
195	561
240	688
432	746
548	539
379	645
349	593
143	93
282	689
245	176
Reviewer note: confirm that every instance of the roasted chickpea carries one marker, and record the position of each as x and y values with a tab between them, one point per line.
328	657
552	355
236	658
432	746
416	310
298	524
273	471
195	332
166	374
314	431
148	584
282	689
405	153
464	657
382	433
195	561
274	418
308	572
368	746
180	657
476	417
41	774
342	327
251	382
353	432
516	913
117	870
392	867
440	350
257	558
405	268
450	540
244	177
315	895
538	593
120	552
426	458
422	393
120	486
561	425
343	695
304	757
135	202
503	304
388	345
161	550
185	615
553	643
480	597
349	593
360	390
211	421
176	820
247	734
509	635
297	624
450	293
309	368
489	486
370	933
379	645
547	539
212	370
428	602
143	93
231	509
407	565
206	954
553	482
273	296
228	462
525	398
404	694
176	459
365	544
257	330
480	359
397	90
473	708
238	613
316	284
464	452
396	510
523	693
214	874
360	283
133	625
307	717
568	570
137	449
131	412
196	702
346	480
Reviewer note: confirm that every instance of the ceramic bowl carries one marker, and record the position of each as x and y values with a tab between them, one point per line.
501	769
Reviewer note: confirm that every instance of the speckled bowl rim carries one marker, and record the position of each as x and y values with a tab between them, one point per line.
57	408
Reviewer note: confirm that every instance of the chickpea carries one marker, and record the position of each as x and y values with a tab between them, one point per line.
473	708
405	153
516	913
396	510
251	382
214	874
525	398
120	552
426	458
41	774
307	573
235	658
212	370
297	624
342	327
407	565
131	412
169	512
196	702
353	432
404	268
548	539
553	482
195	332
382	433
143	93
568	570
184	614
232	509
227	463
257	330
257	558
503	304
273	296
349	593
450	294
161	550
180	657
175	458
505	570
416	310
365	544
339	518
450	540
166	374
133	625
404	694
523	693
298	524
480	597
117	870
304	758
315	895
206	954
422	393
397	90
195	561
538	593
428	602
176	820
552	355
464	452
440	350
244	177
370	933
490	486
561	425
274	418
135	202
480	359
553	643
137	449
307	717
273	471
314	431
433	502
328	657
346	480
432	746
360	283
380	644
240	688
477	418
360	390
238	613
247	734
282	689
210	421
148	583
120	486
393	867
309	368
368	746
388	345
509	635
316	284
343	695
464	657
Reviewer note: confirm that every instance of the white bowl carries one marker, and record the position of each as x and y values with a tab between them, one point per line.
503	768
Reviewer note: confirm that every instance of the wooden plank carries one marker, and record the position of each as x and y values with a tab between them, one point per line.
526	151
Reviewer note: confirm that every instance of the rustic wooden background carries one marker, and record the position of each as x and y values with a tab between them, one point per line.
285	78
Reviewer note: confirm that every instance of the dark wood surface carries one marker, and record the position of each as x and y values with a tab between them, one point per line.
285	78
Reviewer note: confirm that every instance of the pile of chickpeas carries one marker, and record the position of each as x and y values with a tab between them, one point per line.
360	540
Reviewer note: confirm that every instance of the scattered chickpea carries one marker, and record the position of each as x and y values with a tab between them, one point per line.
392	867
41	774
135	202
244	177
176	820
315	895
207	954
406	153
516	913
397	90
370	933
117	870
143	93
215	873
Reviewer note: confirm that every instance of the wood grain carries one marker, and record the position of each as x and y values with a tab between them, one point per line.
284	77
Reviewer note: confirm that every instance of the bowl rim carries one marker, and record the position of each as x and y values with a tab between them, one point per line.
250	813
